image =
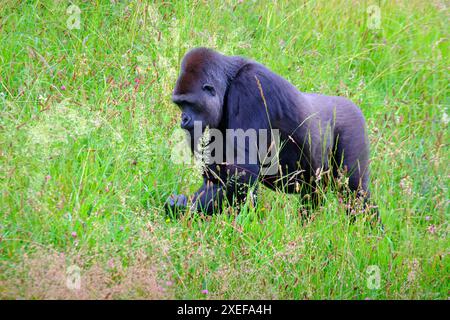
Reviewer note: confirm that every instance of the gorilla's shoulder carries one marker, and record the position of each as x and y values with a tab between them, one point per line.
247	69
251	73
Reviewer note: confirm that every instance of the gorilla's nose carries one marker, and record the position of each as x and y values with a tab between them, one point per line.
186	122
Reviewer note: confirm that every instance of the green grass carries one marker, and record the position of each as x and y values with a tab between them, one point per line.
83	149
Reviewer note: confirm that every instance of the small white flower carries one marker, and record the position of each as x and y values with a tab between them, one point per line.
445	118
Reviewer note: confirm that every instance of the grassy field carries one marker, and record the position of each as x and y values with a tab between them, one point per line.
85	166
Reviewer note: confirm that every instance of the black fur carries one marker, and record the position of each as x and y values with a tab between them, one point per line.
236	93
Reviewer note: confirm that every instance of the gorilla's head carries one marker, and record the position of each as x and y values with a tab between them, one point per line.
202	85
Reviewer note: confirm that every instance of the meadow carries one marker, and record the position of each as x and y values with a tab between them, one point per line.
85	124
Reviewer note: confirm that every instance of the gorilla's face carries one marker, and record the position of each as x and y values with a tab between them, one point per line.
201	104
200	89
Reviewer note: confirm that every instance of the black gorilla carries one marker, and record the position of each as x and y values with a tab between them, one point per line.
317	132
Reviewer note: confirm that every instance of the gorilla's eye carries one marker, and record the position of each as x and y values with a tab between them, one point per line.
209	88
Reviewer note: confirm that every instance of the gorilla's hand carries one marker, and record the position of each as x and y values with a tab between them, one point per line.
175	203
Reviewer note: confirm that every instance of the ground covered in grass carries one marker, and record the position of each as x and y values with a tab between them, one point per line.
85	156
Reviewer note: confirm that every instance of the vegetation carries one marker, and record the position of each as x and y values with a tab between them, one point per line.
85	126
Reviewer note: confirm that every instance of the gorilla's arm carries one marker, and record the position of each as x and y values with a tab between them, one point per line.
232	187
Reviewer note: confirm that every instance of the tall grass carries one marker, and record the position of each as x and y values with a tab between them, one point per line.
85	158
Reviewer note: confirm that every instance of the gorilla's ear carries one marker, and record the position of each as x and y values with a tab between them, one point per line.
210	89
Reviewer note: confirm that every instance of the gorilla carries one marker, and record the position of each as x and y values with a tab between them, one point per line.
317	133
